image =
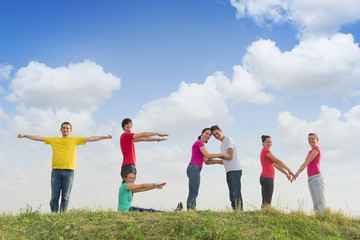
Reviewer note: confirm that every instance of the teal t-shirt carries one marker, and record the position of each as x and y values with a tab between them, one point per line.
125	198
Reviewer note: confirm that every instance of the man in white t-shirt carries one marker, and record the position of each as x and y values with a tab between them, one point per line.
232	167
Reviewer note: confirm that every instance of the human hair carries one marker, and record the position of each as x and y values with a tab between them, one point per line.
264	137
204	130
125	121
126	175
215	127
315	135
66	123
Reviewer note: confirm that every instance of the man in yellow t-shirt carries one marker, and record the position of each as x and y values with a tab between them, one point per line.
63	163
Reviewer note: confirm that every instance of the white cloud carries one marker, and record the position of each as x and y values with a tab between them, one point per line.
192	107
261	10
313	66
80	86
5	71
46	122
313	18
338	132
243	87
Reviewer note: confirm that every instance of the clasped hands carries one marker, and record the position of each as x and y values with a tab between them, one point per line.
291	176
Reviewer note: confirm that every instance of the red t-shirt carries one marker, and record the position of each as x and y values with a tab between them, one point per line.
267	165
128	148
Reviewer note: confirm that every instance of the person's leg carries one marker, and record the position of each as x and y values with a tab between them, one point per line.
193	172
137	209
55	190
316	187
233	181
230	180
240	195
267	190
128	168
66	186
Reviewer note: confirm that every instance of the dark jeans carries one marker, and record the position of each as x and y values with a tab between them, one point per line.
61	181
136	209
233	179
128	168
267	189
193	172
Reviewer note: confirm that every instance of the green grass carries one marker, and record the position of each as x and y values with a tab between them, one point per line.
265	224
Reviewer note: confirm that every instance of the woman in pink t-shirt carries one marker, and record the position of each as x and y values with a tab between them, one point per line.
315	179
199	152
268	162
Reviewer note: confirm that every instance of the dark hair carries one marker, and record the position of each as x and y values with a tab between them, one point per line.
215	127
125	176
66	123
264	137
204	130
125	121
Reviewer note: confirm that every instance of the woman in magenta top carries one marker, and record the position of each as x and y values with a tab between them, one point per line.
199	153
315	179
268	162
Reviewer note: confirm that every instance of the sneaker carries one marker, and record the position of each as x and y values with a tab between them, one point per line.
179	207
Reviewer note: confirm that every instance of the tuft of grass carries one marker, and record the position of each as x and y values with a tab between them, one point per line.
268	223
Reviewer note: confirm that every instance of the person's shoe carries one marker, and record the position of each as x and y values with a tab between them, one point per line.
179	207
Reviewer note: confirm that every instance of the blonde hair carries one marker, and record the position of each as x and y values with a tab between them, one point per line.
315	135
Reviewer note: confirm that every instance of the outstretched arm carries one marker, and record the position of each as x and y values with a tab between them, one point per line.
31	137
97	138
149	139
312	156
214	155
144	187
280	164
212	161
145	136
283	171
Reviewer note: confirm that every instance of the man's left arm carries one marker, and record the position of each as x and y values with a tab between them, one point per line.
97	138
230	151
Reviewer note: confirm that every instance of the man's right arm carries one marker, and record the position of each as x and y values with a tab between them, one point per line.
31	137
148	134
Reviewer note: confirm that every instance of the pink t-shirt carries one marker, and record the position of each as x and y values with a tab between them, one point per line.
267	164
314	167
128	148
197	157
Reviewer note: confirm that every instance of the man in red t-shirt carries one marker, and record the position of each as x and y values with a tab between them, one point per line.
127	140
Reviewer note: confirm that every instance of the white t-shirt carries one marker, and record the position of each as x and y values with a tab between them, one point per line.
233	164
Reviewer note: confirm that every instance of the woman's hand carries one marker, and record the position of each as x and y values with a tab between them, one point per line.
227	156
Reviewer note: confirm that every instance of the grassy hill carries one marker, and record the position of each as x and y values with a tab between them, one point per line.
266	224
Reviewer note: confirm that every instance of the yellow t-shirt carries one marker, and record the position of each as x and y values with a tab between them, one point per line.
64	151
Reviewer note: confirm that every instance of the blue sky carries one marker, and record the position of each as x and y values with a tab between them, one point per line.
278	67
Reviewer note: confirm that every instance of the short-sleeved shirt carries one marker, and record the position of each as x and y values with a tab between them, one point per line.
267	164
125	198
233	164
197	157
128	148
64	151
314	167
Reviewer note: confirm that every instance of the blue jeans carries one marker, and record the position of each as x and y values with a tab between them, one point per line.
193	172
61	181
233	179
128	168
316	187
137	209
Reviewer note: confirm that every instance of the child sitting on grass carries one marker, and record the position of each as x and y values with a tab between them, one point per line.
128	188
